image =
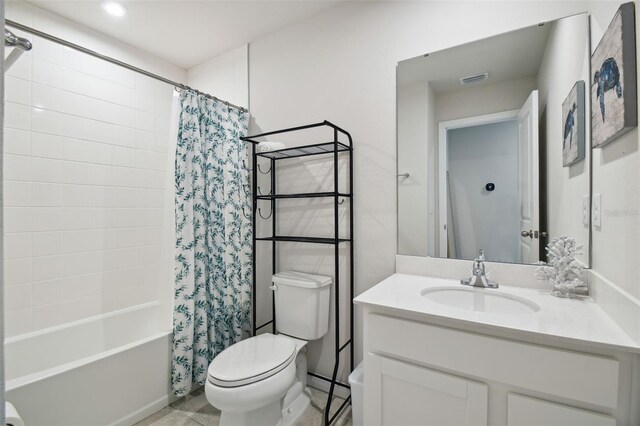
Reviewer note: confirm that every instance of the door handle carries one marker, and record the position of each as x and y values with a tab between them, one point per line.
533	234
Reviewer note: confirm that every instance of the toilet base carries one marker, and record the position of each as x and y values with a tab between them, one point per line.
296	402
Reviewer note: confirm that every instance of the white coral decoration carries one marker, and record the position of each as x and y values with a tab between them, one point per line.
563	270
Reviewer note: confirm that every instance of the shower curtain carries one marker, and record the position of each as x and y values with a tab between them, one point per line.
212	300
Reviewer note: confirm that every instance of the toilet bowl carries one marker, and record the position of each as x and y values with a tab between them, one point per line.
262	381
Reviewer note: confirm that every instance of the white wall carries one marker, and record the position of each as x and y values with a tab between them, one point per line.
414	102
2	375
482	219
616	175
565	61
85	180
340	65
226	76
484	99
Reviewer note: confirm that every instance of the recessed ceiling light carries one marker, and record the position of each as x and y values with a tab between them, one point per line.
113	8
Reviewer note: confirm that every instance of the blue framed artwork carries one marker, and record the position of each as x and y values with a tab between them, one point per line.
573	125
614	86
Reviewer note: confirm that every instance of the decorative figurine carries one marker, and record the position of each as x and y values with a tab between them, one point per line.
563	270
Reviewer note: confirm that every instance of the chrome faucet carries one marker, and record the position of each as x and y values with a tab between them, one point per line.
478	276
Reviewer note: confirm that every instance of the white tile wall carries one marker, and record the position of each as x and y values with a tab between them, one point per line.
86	146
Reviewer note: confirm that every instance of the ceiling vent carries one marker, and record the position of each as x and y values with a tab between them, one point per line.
474	78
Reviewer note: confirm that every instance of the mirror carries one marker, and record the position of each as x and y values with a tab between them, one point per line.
493	145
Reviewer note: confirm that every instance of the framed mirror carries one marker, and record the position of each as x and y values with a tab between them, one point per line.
493	145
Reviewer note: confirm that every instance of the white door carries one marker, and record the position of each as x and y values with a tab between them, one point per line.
403	394
529	180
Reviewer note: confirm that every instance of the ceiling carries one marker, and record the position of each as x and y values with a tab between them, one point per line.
507	56
186	32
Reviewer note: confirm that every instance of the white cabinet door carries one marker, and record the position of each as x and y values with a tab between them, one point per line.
403	394
527	411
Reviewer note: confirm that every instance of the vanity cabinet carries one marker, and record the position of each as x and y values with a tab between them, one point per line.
417	373
408	394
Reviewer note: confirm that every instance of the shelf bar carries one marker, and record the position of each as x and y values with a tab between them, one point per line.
303	195
274	262
336	147
351	255
336	280
293	239
340	408
328	379
295	129
304	151
254	205
264	325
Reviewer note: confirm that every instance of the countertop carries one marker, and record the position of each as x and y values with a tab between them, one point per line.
573	321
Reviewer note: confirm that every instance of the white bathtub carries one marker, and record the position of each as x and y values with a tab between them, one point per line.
109	369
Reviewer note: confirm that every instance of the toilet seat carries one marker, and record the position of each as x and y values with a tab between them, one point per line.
252	360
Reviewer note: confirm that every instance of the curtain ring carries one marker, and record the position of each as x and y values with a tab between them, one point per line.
260	213
264	173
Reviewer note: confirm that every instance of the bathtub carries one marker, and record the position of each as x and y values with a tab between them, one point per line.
112	369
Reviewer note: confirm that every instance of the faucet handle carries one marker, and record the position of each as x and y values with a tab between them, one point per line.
480	257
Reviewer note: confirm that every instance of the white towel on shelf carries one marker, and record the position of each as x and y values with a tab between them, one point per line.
270	146
12	418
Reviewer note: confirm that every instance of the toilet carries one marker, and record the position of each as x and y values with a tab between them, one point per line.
262	381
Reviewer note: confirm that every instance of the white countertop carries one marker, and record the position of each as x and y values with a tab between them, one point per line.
575	321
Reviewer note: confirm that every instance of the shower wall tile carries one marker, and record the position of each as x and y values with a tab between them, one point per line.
21	69
46	97
18	90
17	168
46	195
17	116
17	271
18	321
17	194
17	141
95	67
46	145
45	72
46	292
17	219
46	243
45	121
85	178
17	297
18	245
46	50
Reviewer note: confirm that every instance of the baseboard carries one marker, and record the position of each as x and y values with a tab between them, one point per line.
144	412
323	386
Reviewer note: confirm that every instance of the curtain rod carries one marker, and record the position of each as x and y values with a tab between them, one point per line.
114	61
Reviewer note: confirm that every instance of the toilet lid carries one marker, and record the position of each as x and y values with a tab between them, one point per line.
251	360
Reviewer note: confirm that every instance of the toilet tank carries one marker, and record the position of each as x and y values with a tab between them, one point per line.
302	304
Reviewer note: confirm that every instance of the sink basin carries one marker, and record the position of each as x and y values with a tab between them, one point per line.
480	300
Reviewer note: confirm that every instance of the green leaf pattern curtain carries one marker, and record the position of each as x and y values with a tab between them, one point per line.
212	305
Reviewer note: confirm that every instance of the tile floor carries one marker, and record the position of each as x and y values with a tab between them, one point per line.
194	410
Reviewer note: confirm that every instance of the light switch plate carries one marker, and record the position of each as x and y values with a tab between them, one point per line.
597	210
585	210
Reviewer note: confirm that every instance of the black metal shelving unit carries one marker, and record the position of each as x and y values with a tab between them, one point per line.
334	148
